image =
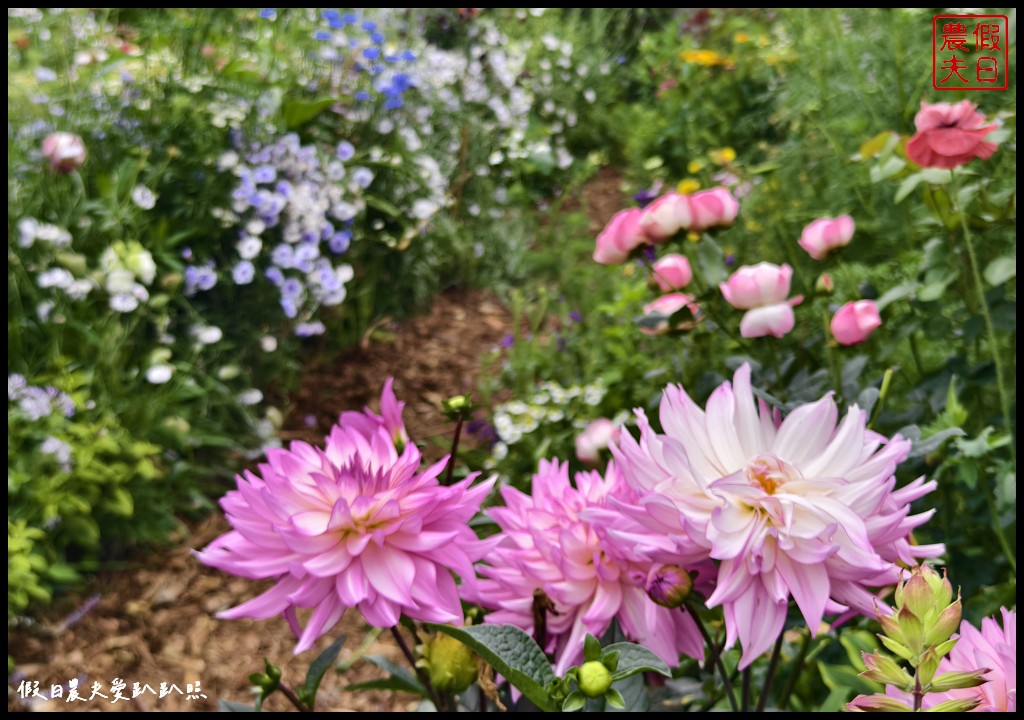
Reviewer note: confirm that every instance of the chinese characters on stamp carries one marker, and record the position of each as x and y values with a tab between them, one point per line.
970	52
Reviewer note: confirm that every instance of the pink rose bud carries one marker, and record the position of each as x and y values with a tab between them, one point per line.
669	585
666	216
825	235
855	321
597	436
65	151
712	208
658	313
757	285
672	272
775	320
949	135
619	238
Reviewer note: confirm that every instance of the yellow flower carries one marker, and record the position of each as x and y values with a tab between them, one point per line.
707	58
741	37
693	237
723	156
688	186
694	167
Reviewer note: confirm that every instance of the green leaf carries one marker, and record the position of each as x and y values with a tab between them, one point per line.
318	667
591	648
898	292
635	659
934	442
512	653
575	701
711	261
906	187
1001	269
391	683
886	169
398	673
615	699
232	706
383	205
299	112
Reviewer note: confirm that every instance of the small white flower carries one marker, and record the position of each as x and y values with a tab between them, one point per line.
227	161
252	396
123	303
159	374
143	197
207	334
268	343
119	282
249	247
55	277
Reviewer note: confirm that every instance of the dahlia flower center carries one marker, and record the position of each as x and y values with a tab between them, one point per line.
769	473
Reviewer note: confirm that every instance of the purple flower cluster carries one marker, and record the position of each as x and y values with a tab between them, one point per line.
38	402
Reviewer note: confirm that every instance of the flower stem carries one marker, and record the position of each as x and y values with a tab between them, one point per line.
830	354
986	313
431	693
794	675
745	703
455	449
716	657
773	666
293	698
918	692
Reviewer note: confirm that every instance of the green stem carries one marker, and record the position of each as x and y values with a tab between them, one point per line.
916	354
717	658
431	693
830	355
990	500
455	450
745	704
986	313
794	675
773	666
293	698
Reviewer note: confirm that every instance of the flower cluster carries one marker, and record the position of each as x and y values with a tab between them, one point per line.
36	402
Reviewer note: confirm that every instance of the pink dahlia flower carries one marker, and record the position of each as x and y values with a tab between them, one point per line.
712	208
825	235
546	545
801	507
390	417
992	647
949	135
355	524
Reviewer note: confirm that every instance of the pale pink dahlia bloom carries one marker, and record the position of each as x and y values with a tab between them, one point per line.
547	545
992	647
355	524
799	507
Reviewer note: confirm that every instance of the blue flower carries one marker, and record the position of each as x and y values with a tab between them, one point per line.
310	328
369	26
274	275
362	177
340	241
268	13
371	53
408	56
243	273
321	35
363	96
345	151
393	103
376	38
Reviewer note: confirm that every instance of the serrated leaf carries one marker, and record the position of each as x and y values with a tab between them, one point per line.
933	442
324	661
232	706
635	659
512	653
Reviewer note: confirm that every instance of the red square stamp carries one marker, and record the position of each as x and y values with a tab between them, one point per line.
970	52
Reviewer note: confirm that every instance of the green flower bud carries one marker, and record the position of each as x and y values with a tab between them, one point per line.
886	671
956	705
451	666
945	624
594	679
958	680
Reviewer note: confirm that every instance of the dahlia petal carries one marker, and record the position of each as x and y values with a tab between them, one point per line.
329	563
266	605
810	587
389	571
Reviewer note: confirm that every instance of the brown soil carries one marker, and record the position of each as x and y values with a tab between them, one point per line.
153	621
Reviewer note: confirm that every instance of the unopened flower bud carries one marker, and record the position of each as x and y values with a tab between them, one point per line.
451	666
669	585
594	678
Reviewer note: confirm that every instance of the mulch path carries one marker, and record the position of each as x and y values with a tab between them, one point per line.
152	621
